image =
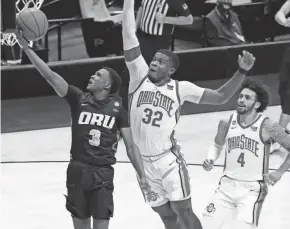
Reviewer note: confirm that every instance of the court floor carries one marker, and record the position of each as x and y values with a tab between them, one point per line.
32	192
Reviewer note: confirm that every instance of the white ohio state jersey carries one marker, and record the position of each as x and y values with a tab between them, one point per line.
247	155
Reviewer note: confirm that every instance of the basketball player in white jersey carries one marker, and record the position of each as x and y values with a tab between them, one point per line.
247	135
154	111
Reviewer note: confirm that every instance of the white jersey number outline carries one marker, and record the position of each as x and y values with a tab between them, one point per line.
96	135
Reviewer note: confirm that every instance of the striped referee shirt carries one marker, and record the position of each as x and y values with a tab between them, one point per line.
169	8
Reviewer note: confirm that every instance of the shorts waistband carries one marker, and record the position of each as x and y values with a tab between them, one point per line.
82	164
155	157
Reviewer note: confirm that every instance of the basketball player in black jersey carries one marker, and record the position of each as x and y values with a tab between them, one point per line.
97	116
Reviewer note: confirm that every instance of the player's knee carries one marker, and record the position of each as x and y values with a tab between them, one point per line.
182	208
210	222
183	212
165	212
100	224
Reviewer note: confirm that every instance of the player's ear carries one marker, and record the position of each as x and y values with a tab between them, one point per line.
257	105
108	87
171	71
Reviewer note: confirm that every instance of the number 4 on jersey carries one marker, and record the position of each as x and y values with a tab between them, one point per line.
241	159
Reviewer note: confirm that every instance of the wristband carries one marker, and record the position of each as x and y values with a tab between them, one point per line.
214	152
243	71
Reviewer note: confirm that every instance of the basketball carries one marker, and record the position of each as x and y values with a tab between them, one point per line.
33	23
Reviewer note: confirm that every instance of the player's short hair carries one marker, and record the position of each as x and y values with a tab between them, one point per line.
173	58
261	91
116	80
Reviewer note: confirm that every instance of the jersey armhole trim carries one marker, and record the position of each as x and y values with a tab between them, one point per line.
139	85
228	125
177	91
261	131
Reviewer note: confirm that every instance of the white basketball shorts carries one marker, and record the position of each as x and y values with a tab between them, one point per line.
168	177
241	198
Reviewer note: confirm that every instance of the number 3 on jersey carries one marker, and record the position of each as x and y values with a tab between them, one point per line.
152	118
96	134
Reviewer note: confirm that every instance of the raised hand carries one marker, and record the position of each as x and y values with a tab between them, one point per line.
23	43
246	61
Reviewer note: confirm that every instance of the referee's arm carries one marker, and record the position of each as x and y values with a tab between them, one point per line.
280	17
138	17
184	16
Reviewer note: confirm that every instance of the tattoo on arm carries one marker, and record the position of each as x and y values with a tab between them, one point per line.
278	134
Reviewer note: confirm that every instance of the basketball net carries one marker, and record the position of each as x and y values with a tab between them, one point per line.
10	39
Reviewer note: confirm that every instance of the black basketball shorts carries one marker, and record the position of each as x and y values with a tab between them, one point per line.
89	191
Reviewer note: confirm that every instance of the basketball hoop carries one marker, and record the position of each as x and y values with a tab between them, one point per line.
9	38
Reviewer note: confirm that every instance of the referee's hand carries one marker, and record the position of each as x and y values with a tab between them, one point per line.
160	18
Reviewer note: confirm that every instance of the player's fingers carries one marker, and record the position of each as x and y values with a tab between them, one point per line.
208	167
207	163
266	177
18	33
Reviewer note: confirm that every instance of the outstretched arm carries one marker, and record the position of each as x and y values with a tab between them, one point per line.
56	81
130	41
226	91
192	93
277	133
135	62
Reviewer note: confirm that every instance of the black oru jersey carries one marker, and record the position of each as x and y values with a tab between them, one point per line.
95	127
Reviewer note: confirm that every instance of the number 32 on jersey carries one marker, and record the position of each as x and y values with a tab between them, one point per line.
152	118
